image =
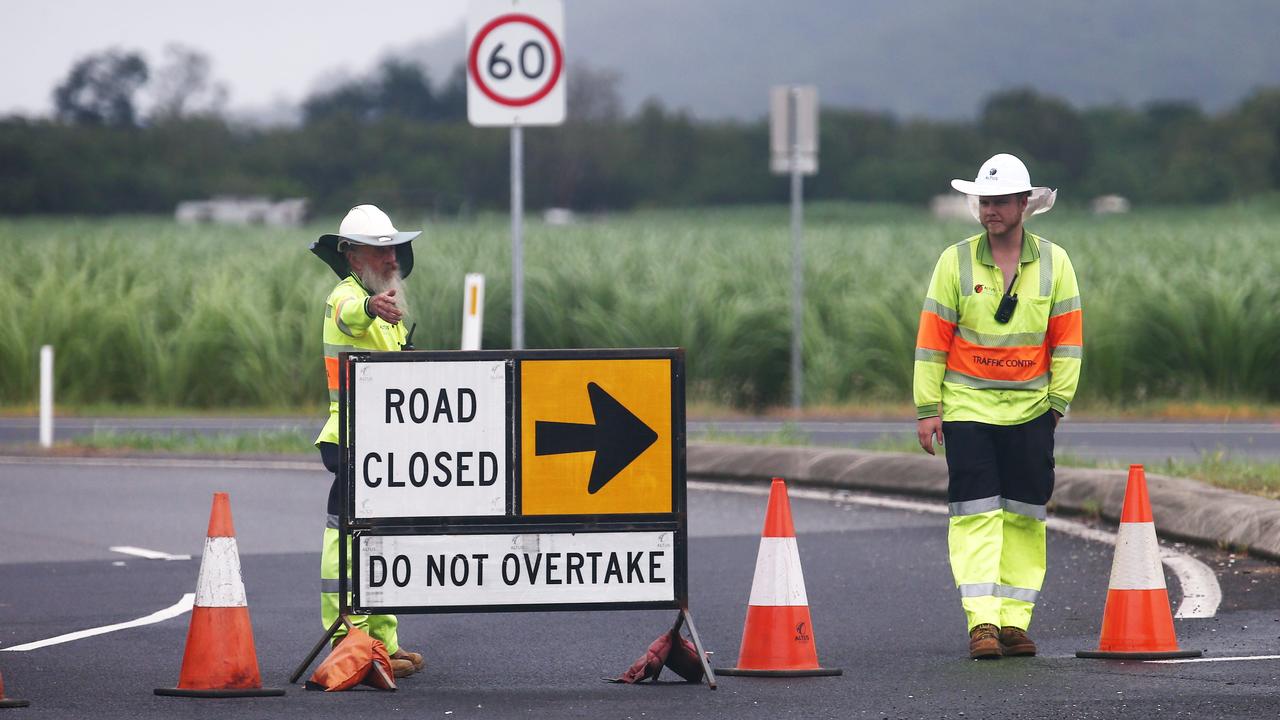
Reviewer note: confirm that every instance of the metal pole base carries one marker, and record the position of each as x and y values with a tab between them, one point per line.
814	672
1167	655
213	693
12	703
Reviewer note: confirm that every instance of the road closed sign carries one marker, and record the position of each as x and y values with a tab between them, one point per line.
515	62
498	479
430	439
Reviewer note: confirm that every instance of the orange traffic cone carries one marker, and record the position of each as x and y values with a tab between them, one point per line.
777	638
10	702
220	659
1137	623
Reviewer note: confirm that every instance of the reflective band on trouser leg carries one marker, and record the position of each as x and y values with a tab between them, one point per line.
974	543
381	627
1022	566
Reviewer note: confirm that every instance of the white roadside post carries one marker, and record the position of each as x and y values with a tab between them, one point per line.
793	140
472	311
516	78
46	396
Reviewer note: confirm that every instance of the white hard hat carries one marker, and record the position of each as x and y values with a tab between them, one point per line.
1004	174
365	225
368	225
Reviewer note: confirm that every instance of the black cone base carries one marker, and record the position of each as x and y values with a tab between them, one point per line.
215	693
813	672
11	703
1167	655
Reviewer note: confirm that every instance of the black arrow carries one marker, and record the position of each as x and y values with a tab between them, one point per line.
617	437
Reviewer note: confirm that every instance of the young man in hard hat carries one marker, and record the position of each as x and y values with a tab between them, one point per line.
363	313
997	363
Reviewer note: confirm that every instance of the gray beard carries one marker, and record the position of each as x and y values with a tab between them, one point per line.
378	284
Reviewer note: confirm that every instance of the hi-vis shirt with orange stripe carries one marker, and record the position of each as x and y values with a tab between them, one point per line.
348	329
984	371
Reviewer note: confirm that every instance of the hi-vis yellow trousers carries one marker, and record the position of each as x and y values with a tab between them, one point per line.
1001	478
381	627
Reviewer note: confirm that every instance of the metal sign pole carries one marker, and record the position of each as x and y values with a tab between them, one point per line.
517	237
797	260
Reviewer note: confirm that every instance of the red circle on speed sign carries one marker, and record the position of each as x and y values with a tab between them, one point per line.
473	60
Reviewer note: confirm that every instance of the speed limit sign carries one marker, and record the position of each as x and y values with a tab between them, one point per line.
515	62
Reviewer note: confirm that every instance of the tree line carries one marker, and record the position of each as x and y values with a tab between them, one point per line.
395	138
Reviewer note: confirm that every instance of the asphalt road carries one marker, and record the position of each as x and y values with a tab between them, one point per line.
1145	442
883	608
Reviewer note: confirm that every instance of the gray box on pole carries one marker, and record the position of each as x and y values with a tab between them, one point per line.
793	129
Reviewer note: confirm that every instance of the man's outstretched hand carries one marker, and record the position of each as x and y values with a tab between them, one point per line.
384	305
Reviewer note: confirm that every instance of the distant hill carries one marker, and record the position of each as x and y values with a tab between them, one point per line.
917	58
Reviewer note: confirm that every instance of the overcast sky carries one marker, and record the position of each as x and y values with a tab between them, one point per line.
264	51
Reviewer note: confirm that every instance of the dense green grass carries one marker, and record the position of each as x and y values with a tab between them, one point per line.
1179	304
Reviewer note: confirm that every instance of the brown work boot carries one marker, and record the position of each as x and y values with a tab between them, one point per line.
413	657
984	642
402	668
1014	641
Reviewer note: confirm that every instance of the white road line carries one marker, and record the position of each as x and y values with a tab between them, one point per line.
145	553
1215	659
1201	594
182	606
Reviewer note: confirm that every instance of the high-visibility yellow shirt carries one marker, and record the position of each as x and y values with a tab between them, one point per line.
348	328
970	367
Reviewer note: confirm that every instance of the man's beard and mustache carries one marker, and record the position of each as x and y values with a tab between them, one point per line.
378	283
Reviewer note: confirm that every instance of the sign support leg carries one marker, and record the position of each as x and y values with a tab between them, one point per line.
328	635
697	645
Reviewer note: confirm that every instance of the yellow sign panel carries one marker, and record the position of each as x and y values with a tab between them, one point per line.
595	437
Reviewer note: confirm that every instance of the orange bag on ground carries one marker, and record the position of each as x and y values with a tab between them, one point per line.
358	659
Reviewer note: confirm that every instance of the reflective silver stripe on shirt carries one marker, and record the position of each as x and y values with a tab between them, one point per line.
971	590
1026	509
1046	269
942	311
974	507
329	585
1074	351
1027	339
331	350
331	522
938	356
966	268
978	383
1062	307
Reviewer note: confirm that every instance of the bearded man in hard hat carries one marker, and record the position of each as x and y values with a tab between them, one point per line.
997	362
363	313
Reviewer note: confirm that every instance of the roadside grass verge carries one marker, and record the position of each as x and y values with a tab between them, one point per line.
264	442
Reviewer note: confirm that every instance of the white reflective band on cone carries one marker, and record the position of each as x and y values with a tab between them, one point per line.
779	579
220	584
1137	559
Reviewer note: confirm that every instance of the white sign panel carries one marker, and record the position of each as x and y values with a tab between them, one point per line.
430	439
515	569
515	62
793	128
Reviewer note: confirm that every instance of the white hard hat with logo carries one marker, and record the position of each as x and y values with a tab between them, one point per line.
365	225
1005	174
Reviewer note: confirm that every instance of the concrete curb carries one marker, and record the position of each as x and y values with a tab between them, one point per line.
1183	509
